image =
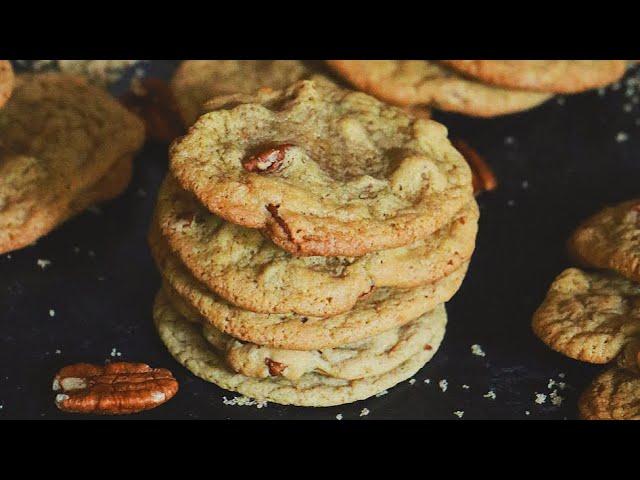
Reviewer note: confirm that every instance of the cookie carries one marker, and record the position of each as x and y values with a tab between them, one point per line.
42	220
381	310
558	76
245	268
423	82
185	342
324	171
610	239
368	357
6	81
589	316
196	81
58	138
615	394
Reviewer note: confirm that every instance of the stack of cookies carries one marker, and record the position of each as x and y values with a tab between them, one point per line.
308	238
482	88
595	316
64	146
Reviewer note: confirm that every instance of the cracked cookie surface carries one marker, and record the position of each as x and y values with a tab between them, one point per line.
58	138
559	76
186	343
323	170
424	82
383	309
610	239
6	81
196	81
365	358
589	316
248	270
615	394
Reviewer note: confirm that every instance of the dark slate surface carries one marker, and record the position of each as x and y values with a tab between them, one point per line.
555	164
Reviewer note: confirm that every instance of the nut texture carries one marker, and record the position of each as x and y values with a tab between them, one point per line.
114	389
268	160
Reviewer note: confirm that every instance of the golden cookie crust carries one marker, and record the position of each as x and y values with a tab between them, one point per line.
58	138
245	268
589	316
427	83
187	345
6	81
610	239
381	310
355	175
365	358
196	81
558	76
615	394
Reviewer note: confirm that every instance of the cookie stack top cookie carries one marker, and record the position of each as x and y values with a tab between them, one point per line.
322	170
315	233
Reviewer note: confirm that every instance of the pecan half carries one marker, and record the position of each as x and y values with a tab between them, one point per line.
483	178
267	161
114	389
152	100
275	368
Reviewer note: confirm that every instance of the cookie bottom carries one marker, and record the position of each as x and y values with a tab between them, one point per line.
187	345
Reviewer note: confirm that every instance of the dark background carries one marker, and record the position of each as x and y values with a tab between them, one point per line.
555	165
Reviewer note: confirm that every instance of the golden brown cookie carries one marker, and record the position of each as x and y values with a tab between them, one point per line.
615	394
365	358
324	171
427	83
381	310
589	316
610	239
6	81
185	342
196	81
558	76
245	268
58	138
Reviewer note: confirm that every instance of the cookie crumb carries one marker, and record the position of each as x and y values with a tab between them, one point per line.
380	394
556	400
115	353
412	381
525	184
459	413
58	351
551	383
477	350
511	203
527	412
42	263
364	412
465	387
338	416
490	394
622	137
246	402
91	253
427	381
509	140
52	312
560	100
443	384
561	375
540	398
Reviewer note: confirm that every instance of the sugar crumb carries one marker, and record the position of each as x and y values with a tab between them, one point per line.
490	394
477	350
540	398
459	413
364	412
246	402
338	416
443	384
43	263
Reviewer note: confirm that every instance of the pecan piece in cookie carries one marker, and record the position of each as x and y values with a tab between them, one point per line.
267	161
114	389
275	368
